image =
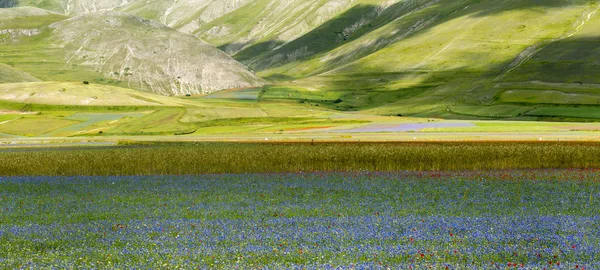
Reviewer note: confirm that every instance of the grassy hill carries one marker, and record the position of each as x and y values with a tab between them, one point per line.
442	58
119	49
9	74
528	59
67	7
147	55
79	94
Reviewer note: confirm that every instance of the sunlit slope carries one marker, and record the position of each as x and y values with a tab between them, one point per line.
24	45
79	94
448	35
9	15
314	35
24	21
119	49
9	74
234	24
148	55
456	59
263	25
16	24
67	7
574	60
185	15
433	57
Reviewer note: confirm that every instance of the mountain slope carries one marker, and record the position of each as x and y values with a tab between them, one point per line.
148	55
573	59
446	58
116	48
67	7
232	24
185	15
79	94
426	57
266	24
26	18
10	75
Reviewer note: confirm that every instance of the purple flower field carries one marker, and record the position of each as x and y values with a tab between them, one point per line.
543	219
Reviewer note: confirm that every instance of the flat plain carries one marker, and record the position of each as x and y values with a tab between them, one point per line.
299	134
510	219
338	205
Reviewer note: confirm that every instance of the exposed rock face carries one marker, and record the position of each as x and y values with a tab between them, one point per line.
20	32
185	15
280	20
148	55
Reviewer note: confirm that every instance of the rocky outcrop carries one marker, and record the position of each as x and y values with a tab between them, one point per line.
148	55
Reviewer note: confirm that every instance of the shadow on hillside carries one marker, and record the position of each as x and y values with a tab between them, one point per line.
242	53
8	3
573	62
358	92
324	38
416	17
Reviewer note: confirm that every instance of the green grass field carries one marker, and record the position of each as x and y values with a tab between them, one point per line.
31	126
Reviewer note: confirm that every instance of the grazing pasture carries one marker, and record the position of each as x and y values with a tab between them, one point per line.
507	219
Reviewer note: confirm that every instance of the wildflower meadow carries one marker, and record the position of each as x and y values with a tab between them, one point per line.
500	219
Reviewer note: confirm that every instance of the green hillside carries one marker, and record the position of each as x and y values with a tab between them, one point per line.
527	59
148	55
67	7
79	94
429	59
9	75
117	49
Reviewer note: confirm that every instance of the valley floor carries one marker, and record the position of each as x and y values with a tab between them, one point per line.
522	219
235	120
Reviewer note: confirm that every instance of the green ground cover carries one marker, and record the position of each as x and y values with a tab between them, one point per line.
48	108
549	97
244	94
158	122
27	18
505	127
9	74
80	94
92	123
39	57
28	126
574	112
496	111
